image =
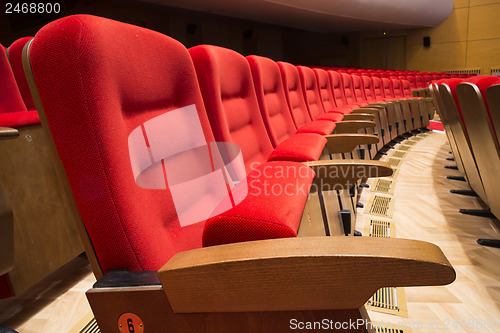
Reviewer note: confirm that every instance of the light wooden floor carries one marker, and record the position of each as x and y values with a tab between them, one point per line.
54	305
424	210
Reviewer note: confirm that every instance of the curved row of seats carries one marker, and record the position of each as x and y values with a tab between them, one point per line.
134	116
417	79
470	112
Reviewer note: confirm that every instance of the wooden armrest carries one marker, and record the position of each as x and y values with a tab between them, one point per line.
352	126
360	116
305	273
8	133
343	174
379	105
345	143
371	110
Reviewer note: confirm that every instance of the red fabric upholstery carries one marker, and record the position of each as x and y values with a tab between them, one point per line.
310	91
359	93
338	92
98	80
276	218
272	101
322	127
228	90
420	81
331	116
13	112
226	84
436	125
407	89
300	147
326	92
368	88
10	97
388	88
19	119
411	79
397	88
15	56
293	93
378	89
348	89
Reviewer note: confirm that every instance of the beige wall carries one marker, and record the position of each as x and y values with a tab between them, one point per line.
468	39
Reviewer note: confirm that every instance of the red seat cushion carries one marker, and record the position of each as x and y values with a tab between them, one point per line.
16	61
99	80
277	193
322	127
19	119
300	148
332	116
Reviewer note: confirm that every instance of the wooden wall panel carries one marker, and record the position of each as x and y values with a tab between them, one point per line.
483	54
437	57
461	3
454	29
484	22
468	39
481	2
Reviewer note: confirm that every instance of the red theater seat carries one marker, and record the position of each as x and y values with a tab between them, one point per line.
124	110
295	98
312	96
13	111
227	87
15	57
273	105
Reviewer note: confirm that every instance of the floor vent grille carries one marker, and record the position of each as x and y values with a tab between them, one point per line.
398	154
394	162
381	229
383	186
380	205
389	300
411	142
404	148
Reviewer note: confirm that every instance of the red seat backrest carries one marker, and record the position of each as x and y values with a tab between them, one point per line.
293	93
228	91
387	87
407	88
368	88
325	89
337	88
119	98
10	96
420	81
348	89
397	87
15	56
310	91
378	88
357	85
272	100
